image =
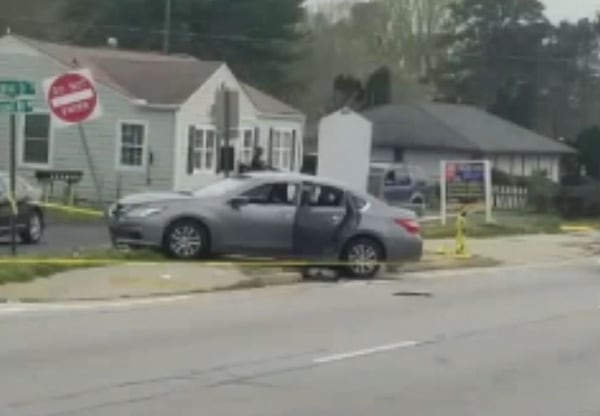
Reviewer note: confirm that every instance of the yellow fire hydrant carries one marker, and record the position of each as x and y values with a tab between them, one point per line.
461	235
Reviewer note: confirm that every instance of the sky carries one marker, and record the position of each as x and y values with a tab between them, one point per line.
572	10
556	10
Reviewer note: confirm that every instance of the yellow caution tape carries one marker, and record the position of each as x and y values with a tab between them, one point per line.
84	261
14	207
577	228
74	210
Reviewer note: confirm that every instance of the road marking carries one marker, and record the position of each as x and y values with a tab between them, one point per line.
366	352
21	308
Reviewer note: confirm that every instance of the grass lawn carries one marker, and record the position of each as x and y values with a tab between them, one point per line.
505	224
28	268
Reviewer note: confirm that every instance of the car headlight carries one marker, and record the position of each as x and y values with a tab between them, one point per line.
144	212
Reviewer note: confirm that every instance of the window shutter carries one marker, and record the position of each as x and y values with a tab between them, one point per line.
270	149
190	150
293	152
256	137
218	150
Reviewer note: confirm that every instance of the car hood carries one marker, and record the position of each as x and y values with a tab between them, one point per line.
151	197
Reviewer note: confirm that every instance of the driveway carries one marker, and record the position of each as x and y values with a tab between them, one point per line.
501	342
62	237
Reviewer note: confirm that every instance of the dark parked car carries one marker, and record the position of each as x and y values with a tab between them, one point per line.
30	218
273	214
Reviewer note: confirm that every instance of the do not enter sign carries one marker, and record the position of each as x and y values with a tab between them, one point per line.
72	98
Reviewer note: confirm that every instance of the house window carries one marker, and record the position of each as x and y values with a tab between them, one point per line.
203	145
36	139
132	145
247	147
282	149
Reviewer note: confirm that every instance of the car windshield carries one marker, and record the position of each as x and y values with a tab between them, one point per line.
220	188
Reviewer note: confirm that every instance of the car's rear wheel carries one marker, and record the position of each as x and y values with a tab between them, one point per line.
186	240
363	257
34	228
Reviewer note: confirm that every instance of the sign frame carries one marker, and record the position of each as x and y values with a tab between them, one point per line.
487	184
77	94
78	89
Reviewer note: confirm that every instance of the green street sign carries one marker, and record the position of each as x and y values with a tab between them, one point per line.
13	88
16	106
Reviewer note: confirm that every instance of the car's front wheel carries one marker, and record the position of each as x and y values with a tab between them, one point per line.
186	240
34	228
363	257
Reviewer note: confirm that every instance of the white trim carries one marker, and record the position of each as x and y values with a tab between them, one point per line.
205	128
21	141
240	148
118	166
291	152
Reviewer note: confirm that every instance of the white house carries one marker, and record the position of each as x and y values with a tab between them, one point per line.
157	130
424	134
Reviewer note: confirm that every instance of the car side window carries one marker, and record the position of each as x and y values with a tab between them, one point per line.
402	178
324	196
281	193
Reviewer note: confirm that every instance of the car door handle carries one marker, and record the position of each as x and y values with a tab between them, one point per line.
335	219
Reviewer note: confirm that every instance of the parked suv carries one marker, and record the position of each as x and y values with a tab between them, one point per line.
398	183
30	219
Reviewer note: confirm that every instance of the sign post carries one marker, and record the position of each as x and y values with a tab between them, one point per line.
15	97
466	180
73	99
227	117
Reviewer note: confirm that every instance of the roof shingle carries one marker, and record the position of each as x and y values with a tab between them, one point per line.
152	77
455	127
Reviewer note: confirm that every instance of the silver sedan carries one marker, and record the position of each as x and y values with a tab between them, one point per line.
271	214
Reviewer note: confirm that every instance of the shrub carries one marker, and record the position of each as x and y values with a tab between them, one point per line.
579	201
542	193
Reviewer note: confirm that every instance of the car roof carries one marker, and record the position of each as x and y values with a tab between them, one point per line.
297	177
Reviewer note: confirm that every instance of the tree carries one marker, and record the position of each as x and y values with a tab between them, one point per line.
358	38
588	145
378	88
36	18
492	55
570	81
350	91
257	38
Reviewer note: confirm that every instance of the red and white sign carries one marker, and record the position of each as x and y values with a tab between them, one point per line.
72	98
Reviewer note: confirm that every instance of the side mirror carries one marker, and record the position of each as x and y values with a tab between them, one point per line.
238	201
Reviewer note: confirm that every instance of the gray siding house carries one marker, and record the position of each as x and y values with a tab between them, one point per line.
157	130
424	134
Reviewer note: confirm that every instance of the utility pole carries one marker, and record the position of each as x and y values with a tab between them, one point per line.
167	29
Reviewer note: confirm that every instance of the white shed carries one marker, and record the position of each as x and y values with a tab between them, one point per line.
344	149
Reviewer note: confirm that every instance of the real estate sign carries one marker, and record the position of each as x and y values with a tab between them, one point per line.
466	182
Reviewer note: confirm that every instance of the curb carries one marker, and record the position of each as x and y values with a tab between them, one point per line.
279	279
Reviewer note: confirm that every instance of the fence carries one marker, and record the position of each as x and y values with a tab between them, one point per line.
510	197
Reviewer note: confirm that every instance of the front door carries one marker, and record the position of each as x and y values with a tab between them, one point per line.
264	224
324	219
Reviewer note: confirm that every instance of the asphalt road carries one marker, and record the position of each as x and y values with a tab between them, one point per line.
509	342
60	238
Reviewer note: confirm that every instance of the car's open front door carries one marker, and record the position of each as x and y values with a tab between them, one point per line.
324	219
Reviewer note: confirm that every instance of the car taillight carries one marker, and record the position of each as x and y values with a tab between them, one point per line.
411	226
